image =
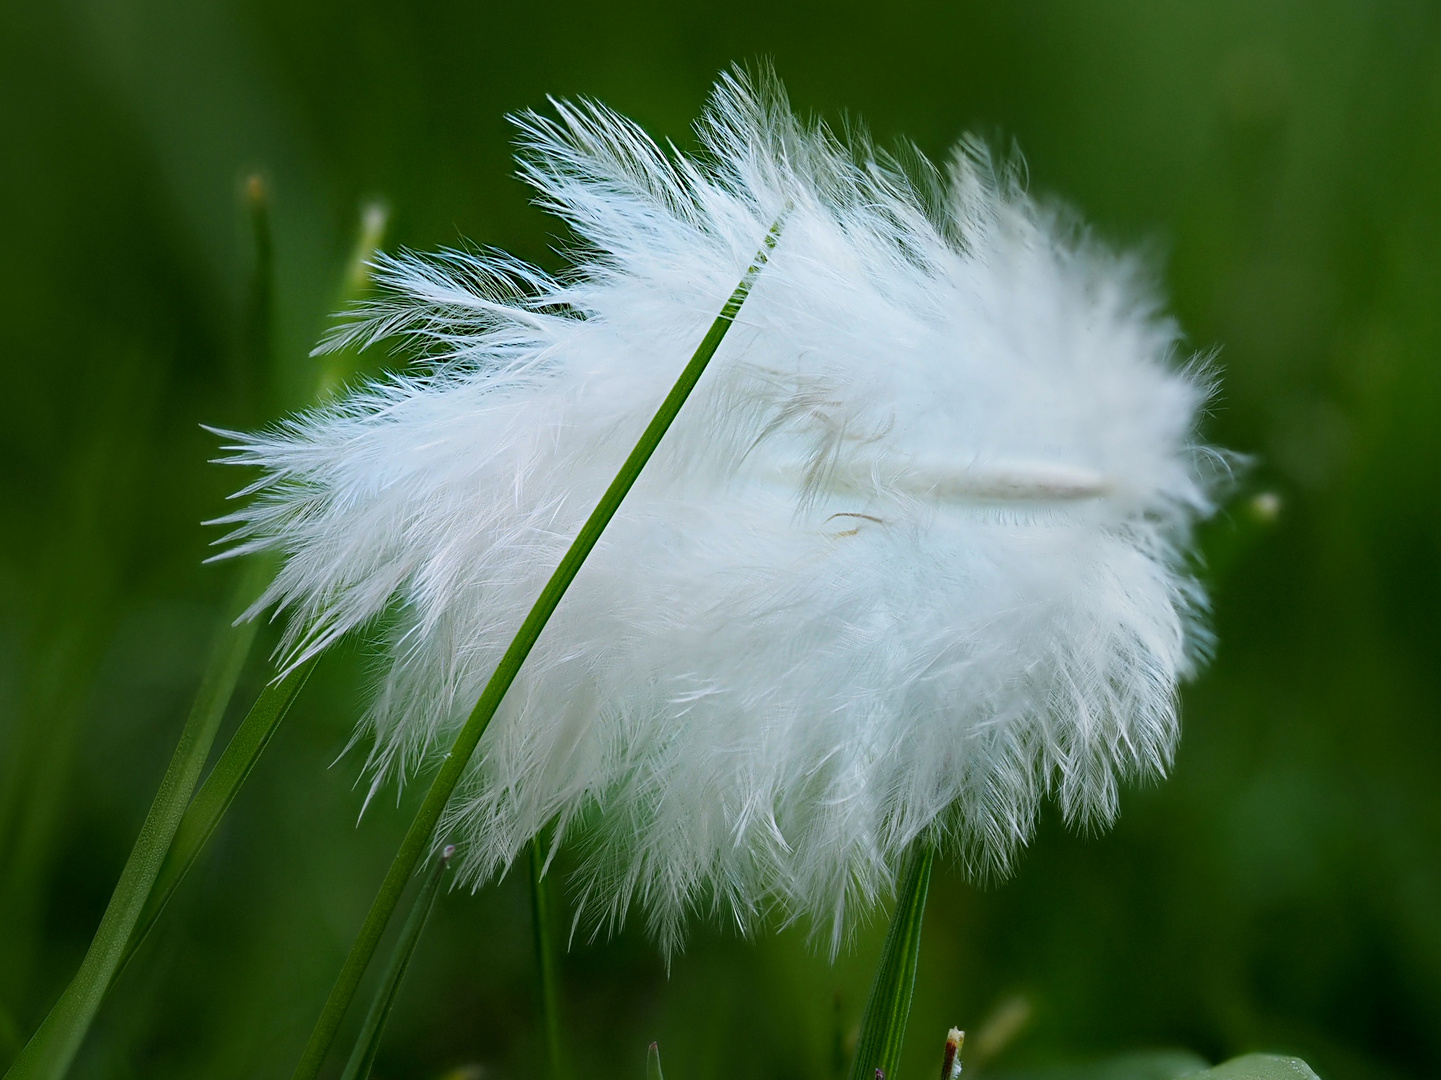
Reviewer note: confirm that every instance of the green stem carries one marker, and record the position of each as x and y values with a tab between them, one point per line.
545	956
883	1027
367	1045
418	839
48	1054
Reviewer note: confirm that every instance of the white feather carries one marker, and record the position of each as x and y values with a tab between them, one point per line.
910	560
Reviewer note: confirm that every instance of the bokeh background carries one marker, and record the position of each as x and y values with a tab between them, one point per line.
1280	160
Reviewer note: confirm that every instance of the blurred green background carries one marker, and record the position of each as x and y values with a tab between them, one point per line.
1282	160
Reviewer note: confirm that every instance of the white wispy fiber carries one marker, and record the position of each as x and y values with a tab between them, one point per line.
910	561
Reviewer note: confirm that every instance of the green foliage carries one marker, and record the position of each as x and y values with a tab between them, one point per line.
216	794
418	837
1282	159
1260	1067
888	1009
542	917
339	366
1175	1065
362	1057
48	1054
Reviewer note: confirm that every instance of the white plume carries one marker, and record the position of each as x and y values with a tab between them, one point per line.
910	560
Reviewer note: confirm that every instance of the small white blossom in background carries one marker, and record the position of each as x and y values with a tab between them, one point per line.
910	560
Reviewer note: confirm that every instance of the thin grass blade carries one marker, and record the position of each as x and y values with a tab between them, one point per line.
257	367
48	1054
417	840
367	1045
339	366
217	793
252	737
210	804
883	1026
652	1062
1260	1067
543	924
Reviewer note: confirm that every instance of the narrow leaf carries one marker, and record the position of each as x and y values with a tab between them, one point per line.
48	1054
367	1044
1260	1067
339	366
652	1062
418	839
883	1026
543	925
216	794
1180	1065
257	367
251	738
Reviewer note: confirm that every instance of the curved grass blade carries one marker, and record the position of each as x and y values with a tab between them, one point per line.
652	1062
203	814
883	1026
418	839
1260	1067
362	1058
48	1054
216	794
545	956
339	365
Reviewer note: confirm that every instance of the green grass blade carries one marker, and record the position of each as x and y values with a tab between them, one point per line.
257	366
255	731
418	839
339	366
48	1054
362	1058
541	922
11	1037
652	1062
53	1046
1260	1067
216	794
883	1027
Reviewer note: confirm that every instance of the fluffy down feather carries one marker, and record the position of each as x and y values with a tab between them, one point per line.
910	560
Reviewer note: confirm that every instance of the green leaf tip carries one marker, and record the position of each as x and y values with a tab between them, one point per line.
652	1062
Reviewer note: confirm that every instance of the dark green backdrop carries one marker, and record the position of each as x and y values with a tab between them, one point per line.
1282	161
